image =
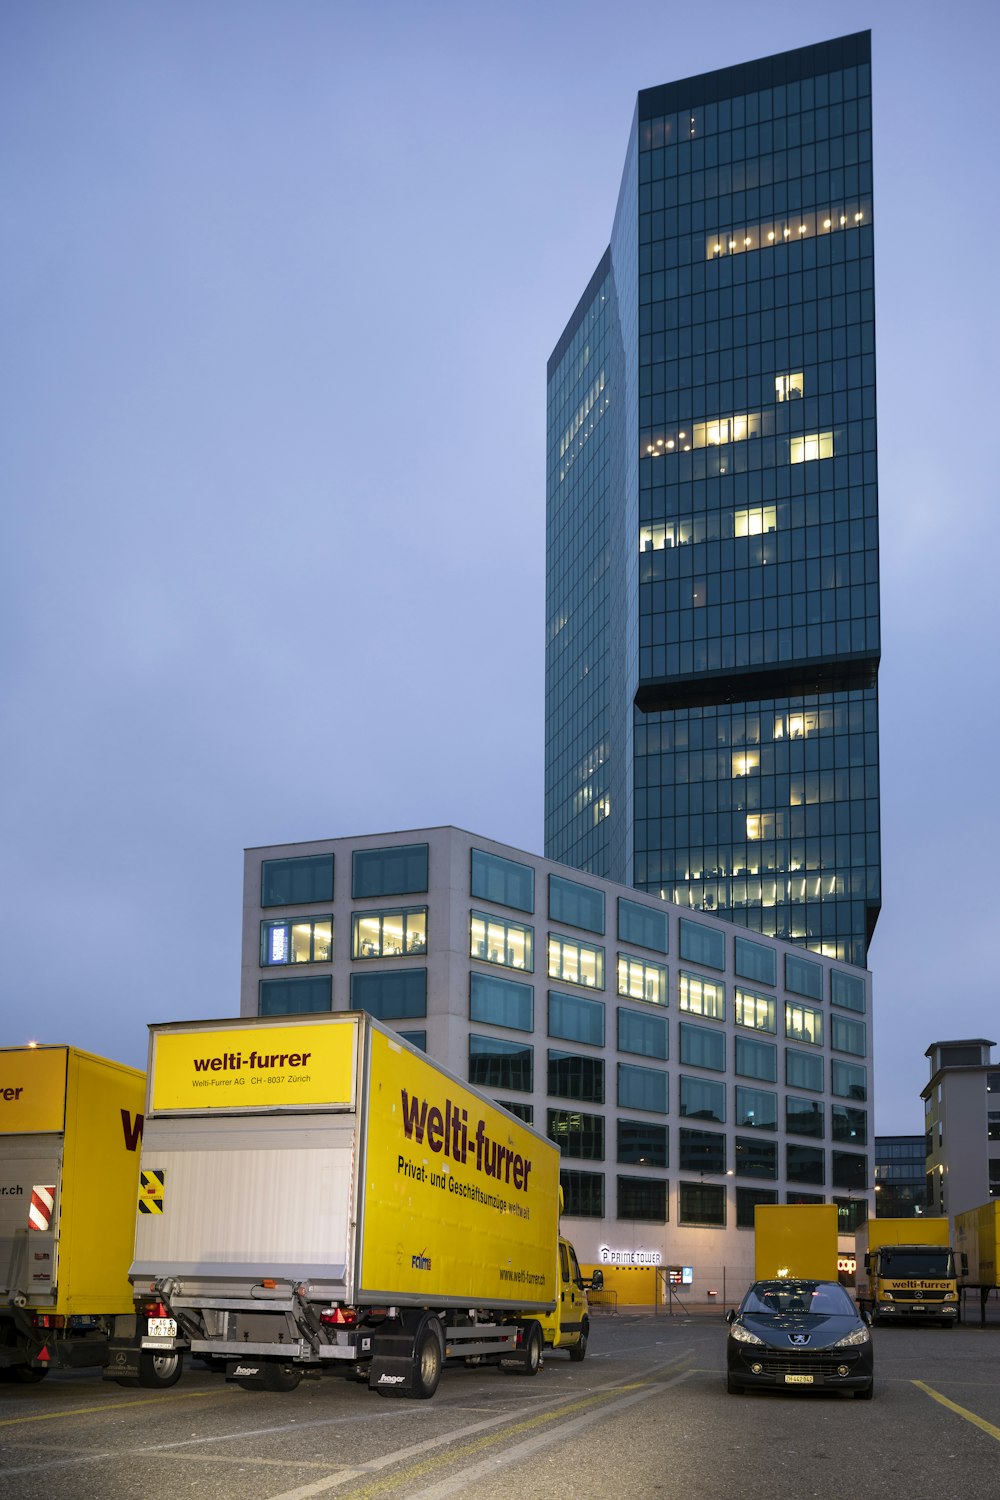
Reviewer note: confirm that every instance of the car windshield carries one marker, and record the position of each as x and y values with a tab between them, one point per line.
779	1297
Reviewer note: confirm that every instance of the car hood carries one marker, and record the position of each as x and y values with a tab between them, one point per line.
823	1329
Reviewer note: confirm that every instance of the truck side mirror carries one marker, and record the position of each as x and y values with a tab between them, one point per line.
597	1280
868	1261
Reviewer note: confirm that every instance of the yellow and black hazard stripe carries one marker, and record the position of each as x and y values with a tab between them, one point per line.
151	1192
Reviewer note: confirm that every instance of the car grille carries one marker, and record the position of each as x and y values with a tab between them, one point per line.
824	1363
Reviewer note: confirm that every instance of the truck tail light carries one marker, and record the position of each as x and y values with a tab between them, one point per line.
343	1317
155	1309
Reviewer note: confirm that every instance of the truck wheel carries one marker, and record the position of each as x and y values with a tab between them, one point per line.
428	1357
29	1374
160	1371
578	1351
534	1346
276	1376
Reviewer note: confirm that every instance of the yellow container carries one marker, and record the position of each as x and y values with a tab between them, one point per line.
70	1130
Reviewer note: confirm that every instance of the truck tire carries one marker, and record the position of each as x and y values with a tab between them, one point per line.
534	1348
29	1374
578	1351
428	1358
159	1372
278	1376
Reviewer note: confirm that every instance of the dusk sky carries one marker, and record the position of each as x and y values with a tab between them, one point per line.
279	285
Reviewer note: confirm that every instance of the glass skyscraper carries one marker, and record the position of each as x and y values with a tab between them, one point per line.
713	613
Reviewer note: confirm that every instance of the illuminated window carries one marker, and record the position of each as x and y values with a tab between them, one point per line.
745	762
726	430
389	934
640	980
308	941
496	941
755	522
814	445
803	1023
702	997
757	1012
789	387
576	963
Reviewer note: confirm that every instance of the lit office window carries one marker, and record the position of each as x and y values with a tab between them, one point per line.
497	941
803	1024
756	1012
389	934
640	980
299	941
702	997
789	387
576	963
813	445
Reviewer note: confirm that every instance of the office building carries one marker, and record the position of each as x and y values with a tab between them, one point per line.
900	1177
962	1123
687	1070
712	533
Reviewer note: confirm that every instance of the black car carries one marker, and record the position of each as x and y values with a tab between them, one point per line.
799	1335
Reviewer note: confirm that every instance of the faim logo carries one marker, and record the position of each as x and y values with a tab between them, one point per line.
421	1262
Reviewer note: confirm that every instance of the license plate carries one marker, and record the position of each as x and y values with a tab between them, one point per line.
798	1380
162	1328
918	1307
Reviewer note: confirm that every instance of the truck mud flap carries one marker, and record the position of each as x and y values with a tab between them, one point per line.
122	1362
391	1371
246	1369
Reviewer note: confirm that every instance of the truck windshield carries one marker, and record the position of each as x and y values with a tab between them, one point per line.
903	1262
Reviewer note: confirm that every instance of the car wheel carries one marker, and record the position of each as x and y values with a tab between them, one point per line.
867	1393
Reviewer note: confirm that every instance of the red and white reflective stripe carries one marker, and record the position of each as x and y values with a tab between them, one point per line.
40	1212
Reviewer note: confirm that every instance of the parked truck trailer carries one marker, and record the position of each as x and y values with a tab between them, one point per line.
977	1240
330	1200
795	1240
70	1128
907	1270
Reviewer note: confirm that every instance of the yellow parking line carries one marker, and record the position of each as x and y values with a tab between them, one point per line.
82	1411
970	1416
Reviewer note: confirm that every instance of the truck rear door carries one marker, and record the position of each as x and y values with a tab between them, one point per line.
30	1178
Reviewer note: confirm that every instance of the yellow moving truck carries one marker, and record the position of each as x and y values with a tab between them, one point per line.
906	1269
70	1128
795	1240
325	1198
977	1240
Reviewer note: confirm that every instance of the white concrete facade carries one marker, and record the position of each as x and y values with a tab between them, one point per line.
962	1121
455	952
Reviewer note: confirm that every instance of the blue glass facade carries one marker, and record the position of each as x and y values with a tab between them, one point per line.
715	558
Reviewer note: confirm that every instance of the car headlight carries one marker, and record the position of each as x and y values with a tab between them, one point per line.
859	1336
743	1335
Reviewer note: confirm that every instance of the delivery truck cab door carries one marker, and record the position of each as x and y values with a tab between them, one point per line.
572	1298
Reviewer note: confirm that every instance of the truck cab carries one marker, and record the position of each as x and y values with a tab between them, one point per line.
568	1326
